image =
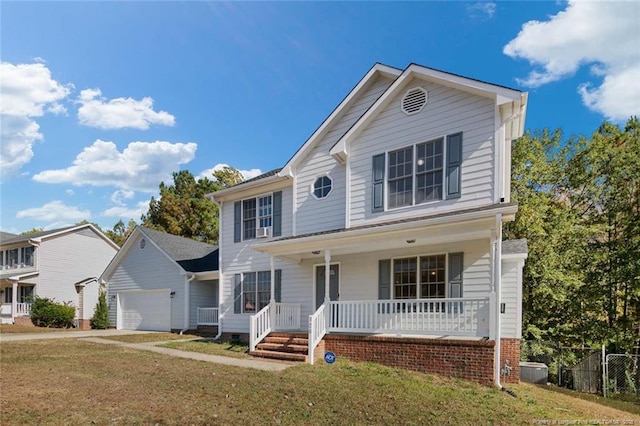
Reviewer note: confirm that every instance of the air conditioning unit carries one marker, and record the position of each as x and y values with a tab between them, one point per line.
262	233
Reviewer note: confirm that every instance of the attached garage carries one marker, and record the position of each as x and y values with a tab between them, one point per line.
144	310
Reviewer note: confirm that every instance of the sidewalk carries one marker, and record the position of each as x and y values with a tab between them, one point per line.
255	364
20	337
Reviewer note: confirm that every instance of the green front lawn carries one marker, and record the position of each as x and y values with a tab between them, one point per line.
70	381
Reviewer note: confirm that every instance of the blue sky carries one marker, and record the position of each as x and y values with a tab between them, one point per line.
101	101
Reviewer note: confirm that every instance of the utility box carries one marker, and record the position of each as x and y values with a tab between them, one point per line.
534	372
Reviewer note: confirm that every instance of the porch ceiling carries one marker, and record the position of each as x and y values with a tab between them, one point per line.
390	236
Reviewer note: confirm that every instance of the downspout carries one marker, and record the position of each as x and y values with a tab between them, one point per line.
187	280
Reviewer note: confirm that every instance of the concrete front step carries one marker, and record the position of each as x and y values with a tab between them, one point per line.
285	356
283	347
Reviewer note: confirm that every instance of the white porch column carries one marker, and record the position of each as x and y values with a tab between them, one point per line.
327	274
272	261
14	300
492	295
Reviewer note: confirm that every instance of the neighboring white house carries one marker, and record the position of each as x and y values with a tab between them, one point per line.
162	282
382	233
61	264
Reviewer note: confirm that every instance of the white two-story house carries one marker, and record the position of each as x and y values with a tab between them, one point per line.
381	238
60	264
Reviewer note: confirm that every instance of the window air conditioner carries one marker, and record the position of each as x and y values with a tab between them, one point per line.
262	233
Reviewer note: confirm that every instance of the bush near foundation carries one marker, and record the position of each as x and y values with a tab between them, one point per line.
47	313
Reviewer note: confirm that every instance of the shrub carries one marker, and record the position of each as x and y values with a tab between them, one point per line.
100	318
47	313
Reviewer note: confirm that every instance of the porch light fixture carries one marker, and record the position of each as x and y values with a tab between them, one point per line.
411	241
173	293
112	298
316	252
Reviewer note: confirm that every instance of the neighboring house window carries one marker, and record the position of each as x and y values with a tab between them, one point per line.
419	173
322	187
26	253
8	295
2	259
419	277
12	258
255	213
254	290
26	292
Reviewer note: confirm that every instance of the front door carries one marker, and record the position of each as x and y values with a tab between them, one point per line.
334	283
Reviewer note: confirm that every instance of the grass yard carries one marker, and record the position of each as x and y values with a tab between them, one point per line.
69	381
235	350
150	337
16	328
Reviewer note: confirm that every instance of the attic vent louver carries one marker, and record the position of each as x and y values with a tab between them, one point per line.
414	100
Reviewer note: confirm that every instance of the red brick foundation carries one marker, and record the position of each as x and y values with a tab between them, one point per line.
510	352
244	337
465	359
23	321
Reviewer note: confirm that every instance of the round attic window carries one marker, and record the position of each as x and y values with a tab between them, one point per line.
143	243
322	187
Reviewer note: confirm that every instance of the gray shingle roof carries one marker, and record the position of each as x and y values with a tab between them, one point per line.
191	255
21	238
515	246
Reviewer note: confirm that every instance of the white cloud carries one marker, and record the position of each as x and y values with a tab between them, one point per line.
246	174
123	211
482	10
602	35
141	166
54	211
69	192
119	113
119	196
27	91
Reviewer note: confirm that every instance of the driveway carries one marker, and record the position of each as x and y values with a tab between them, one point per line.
19	337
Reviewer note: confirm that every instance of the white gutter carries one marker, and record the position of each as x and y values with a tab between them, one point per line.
187	280
497	277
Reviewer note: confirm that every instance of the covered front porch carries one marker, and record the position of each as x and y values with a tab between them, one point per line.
16	291
415	268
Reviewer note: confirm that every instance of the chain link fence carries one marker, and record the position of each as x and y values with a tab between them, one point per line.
622	377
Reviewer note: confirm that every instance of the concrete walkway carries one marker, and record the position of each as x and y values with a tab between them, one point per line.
255	364
96	336
20	337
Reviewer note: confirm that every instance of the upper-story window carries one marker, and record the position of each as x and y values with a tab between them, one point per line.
16	258
12	258
258	217
423	172
322	187
27	255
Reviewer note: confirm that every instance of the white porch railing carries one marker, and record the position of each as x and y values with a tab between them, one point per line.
287	317
23	308
208	316
453	316
317	329
259	326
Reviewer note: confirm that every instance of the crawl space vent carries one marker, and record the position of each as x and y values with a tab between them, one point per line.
414	100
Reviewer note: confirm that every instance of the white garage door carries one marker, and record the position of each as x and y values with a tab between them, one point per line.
145	310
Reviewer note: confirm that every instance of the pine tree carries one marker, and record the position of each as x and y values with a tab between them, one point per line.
100	319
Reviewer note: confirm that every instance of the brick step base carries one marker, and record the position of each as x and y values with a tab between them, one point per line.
284	356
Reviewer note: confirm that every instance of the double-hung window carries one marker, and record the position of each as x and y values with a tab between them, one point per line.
253	216
26	254
253	290
427	171
421	277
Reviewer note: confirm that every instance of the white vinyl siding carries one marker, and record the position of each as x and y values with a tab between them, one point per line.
511	319
68	259
448	111
147	269
314	215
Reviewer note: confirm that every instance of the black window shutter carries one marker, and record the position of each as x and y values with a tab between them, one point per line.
278	284
237	294
378	183
277	214
384	279
456	265
237	221
454	165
